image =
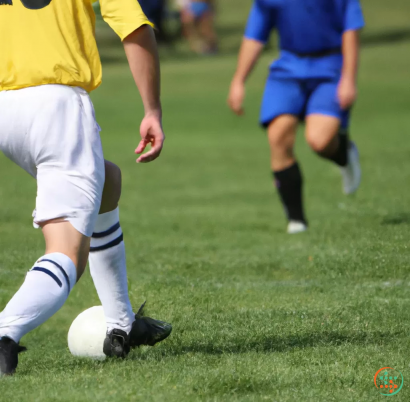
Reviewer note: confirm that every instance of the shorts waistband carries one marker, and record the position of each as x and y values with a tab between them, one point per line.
321	53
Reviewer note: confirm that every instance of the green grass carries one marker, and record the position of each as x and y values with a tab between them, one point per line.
258	315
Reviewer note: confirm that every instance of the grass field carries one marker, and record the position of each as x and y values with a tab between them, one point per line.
258	315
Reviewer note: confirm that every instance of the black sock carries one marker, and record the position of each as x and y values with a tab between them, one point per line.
289	183
340	156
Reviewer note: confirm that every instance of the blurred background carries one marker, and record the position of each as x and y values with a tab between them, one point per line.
385	23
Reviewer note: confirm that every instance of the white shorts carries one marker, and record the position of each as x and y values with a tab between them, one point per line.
50	131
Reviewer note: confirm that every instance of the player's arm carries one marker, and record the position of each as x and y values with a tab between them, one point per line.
347	90
126	18
260	24
141	50
248	56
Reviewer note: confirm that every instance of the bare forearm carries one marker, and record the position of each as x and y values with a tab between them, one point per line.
350	50
142	54
248	56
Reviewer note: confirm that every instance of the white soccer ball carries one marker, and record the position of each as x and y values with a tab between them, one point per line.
87	333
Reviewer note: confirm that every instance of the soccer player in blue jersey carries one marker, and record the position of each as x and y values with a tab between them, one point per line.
313	80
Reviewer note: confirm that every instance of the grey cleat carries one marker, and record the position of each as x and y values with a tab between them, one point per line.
351	173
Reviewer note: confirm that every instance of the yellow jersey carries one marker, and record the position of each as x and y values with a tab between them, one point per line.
53	41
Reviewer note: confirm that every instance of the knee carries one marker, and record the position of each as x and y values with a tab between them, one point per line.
318	144
112	187
280	142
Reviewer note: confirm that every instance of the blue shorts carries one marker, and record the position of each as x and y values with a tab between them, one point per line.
301	97
199	8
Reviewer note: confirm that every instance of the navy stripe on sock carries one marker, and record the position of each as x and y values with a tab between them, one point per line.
62	271
109	231
113	243
48	272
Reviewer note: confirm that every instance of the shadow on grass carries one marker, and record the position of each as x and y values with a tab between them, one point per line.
385	37
57	362
272	344
397	219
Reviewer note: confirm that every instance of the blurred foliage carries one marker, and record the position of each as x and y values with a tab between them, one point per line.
385	22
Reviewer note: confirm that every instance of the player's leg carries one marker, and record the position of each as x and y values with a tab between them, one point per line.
322	136
50	132
188	21
109	272
282	104
207	30
61	237
327	134
48	284
45	289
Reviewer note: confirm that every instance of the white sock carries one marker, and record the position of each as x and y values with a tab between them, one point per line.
109	272
43	293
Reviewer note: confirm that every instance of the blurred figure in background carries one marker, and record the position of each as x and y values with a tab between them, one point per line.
198	21
314	80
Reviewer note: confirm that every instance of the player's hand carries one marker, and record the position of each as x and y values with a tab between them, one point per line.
151	134
346	93
236	97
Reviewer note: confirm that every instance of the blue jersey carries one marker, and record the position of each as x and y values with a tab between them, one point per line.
305	27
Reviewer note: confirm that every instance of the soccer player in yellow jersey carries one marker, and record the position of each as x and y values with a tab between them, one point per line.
48	65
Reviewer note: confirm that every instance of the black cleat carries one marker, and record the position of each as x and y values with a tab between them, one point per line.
144	331
116	344
147	331
9	351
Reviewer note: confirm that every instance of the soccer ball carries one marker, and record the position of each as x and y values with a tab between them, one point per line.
87	333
